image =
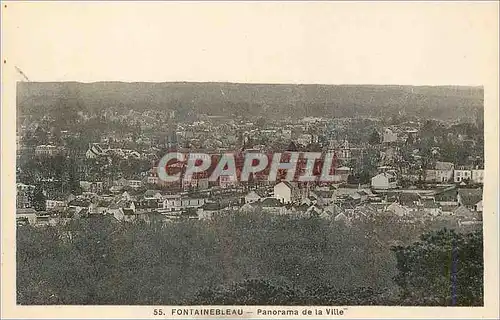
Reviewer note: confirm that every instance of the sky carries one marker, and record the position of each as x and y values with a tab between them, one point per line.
413	43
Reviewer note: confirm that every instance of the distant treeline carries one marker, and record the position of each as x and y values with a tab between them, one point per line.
248	259
274	100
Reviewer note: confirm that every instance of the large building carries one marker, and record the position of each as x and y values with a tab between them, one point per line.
47	150
289	192
442	172
384	181
24	196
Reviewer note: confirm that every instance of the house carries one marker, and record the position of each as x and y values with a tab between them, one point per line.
206	211
94	151
254	196
342	151
332	210
465	214
389	136
287	192
178	203
26	216
136	184
122	182
147	205
54	203
397	209
273	205
471	199
42	220
96	187
79	204
323	197
431	207
384	181
203	184
341	174
99	207
152	195
125	214
408	199
462	174
449	209
479	206
442	172
342	218
227	181
24	195
46	150
116	208
447	198
247	207
477	176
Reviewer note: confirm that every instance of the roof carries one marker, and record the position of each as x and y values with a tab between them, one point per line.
128	212
340	217
343	169
259	193
151	193
79	203
450	195
287	183
324	194
271	202
463	212
430	204
384	174
470	196
449	208
397	209
26	211
406	198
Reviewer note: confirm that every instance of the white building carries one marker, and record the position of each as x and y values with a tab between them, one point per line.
177	203
227	181
253	196
94	151
46	150
283	191
389	136
51	204
305	139
442	172
136	184
460	175
384	181
477	175
288	192
24	195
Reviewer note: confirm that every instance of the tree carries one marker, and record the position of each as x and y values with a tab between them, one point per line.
39	199
443	268
374	138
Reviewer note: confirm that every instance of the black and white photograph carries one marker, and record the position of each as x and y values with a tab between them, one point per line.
250	159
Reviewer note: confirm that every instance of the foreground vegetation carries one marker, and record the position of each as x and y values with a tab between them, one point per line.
247	259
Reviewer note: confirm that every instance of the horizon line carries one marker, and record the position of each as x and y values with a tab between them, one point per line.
254	83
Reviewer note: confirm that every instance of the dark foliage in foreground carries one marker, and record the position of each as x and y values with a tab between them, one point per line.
261	292
443	268
291	262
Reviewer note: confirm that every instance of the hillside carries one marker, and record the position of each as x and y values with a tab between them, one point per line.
276	100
